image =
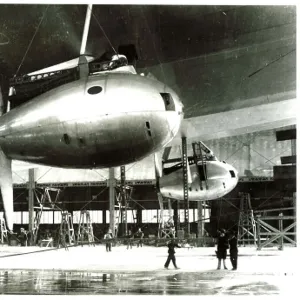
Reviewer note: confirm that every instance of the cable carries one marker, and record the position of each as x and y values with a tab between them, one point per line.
31	40
275	193
270	160
99	174
154	46
104	34
44	174
271	62
24	181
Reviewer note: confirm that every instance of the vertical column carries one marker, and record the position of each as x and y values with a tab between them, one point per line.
139	216
281	231
31	187
175	216
258	232
200	219
111	185
293	148
124	201
160	215
185	187
88	197
104	216
295	215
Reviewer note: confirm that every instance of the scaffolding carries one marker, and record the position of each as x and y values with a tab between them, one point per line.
267	234
246	225
201	154
166	227
3	230
85	228
66	230
123	202
121	225
44	203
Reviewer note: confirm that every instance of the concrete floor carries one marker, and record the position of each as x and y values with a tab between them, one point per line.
92	270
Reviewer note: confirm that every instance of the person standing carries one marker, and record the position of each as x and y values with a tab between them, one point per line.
129	239
140	236
233	250
108	236
171	257
222	247
23	237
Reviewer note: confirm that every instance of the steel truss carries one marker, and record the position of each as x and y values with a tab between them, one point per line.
66	230
45	202
246	225
267	234
85	228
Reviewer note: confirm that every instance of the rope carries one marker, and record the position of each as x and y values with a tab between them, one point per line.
154	46
104	34
32	40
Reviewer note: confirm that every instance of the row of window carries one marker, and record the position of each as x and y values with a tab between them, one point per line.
148	216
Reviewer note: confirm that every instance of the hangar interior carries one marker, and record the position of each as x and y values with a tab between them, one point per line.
229	163
269	188
234	68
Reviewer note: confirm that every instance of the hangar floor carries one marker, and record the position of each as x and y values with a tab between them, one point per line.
91	270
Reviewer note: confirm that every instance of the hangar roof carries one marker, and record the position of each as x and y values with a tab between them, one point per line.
215	57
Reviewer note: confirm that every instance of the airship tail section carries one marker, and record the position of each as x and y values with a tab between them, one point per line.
6	186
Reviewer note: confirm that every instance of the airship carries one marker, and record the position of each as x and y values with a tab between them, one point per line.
85	115
208	178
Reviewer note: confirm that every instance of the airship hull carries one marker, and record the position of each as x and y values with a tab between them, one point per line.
105	121
221	179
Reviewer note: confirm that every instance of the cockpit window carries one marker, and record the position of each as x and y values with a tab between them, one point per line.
232	173
169	102
116	61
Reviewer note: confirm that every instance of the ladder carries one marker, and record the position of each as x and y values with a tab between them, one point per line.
246	226
66	230
123	200
166	229
3	230
85	228
200	161
42	201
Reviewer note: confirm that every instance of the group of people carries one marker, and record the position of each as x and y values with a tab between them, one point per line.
139	235
227	240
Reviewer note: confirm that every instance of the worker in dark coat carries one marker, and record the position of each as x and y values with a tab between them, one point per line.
140	234
23	238
129	237
171	255
233	249
222	247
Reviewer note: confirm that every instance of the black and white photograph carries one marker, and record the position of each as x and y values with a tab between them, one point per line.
148	149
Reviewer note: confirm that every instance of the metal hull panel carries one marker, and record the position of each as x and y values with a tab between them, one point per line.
111	141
